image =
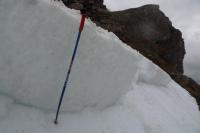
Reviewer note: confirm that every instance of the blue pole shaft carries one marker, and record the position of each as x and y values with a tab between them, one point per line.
67	77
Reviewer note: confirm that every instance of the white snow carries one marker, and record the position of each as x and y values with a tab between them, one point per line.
112	88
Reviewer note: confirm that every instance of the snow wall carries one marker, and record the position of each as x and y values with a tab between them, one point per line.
35	51
36	47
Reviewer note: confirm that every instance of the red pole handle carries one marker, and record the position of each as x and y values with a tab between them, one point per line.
82	22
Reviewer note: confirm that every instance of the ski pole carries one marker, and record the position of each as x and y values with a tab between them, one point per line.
70	66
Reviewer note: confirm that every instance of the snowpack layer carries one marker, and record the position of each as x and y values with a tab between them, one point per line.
112	88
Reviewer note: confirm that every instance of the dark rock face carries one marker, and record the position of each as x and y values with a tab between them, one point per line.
91	5
147	30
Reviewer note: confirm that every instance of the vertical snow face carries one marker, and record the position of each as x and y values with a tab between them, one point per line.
37	41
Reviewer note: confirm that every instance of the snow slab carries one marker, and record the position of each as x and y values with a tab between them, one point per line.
112	88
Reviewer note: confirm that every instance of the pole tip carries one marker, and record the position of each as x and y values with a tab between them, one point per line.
56	122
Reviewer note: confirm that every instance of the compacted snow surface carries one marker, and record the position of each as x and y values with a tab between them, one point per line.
112	89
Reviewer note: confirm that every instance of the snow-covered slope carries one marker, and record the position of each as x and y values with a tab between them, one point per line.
112	88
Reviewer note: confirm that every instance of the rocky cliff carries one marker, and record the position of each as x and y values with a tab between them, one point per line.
147	30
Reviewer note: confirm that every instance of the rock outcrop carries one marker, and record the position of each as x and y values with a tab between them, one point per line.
147	30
